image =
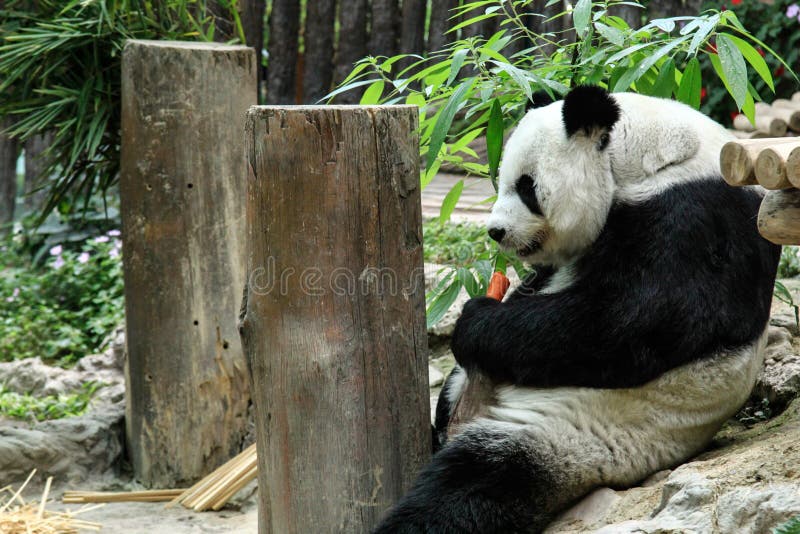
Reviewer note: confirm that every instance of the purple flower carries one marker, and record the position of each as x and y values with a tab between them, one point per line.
15	293
84	257
792	11
113	253
56	250
101	239
113	233
59	263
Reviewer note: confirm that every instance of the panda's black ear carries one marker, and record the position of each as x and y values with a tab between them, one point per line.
539	99
590	109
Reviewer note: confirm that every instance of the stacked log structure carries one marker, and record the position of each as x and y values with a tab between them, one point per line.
779	119
773	163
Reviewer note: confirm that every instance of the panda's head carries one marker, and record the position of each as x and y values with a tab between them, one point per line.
555	182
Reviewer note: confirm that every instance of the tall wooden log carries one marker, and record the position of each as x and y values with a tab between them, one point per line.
352	44
333	320
771	169
182	187
8	175
318	67
284	27
779	217
383	37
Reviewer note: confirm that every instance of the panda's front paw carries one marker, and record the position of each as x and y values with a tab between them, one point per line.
471	330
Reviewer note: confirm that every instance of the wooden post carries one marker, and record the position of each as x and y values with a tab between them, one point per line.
779	217
737	160
333	319
771	168
182	189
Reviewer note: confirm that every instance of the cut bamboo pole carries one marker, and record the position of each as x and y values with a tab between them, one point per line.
785	103
770	166
789	114
793	166
779	217
774	126
737	158
78	497
215	490
755	134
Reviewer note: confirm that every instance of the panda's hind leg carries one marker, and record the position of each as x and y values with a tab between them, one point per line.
490	478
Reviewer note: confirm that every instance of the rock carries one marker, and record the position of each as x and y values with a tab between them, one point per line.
72	448
779	381
749	484
435	377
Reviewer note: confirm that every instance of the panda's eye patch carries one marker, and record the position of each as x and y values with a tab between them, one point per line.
527	193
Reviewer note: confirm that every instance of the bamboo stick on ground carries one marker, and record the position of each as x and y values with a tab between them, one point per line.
216	489
770	166
77	497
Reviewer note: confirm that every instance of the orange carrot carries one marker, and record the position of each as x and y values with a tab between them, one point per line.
498	286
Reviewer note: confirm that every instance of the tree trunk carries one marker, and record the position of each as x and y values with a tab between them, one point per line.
284	27
551	30
333	319
8	175
35	177
672	8
383	36
252	14
630	14
440	23
318	69
182	187
352	44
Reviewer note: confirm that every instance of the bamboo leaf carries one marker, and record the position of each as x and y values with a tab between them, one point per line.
494	140
734	68
691	84
581	16
450	201
446	119
754	58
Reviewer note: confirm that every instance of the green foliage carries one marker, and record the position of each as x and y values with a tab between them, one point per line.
789	265
474	87
770	24
61	303
782	293
454	244
790	527
60	72
30	408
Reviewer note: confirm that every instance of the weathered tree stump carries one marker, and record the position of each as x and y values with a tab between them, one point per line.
779	217
182	192
333	319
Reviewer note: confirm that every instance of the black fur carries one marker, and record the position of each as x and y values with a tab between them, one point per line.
588	108
443	411
668	281
485	481
526	190
539	99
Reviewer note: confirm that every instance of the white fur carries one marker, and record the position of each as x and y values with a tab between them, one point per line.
634	432
655	144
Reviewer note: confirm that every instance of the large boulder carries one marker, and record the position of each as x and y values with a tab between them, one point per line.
748	482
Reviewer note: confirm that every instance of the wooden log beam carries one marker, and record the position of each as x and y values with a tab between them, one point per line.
182	186
333	319
771	165
737	158
768	124
779	217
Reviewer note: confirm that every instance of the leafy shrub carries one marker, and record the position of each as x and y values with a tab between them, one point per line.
60	73
473	80
454	244
790	527
789	264
62	307
27	407
777	23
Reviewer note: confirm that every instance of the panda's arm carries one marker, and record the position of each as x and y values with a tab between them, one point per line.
639	306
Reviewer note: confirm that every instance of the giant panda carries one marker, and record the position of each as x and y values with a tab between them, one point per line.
641	332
